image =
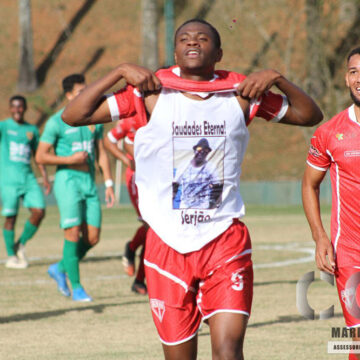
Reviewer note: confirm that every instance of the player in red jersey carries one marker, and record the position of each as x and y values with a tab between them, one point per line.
198	261
125	129
335	146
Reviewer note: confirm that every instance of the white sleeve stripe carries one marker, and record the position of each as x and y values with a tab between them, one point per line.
128	141
111	137
283	110
113	107
316	167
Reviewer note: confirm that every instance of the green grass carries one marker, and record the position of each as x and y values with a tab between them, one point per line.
38	323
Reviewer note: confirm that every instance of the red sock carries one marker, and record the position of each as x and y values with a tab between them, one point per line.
139	238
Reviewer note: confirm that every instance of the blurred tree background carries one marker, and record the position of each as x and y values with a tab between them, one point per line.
306	40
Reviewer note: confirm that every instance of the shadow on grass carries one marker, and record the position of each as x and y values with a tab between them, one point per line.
275	282
286	319
97	309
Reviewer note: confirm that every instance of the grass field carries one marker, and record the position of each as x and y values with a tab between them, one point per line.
38	323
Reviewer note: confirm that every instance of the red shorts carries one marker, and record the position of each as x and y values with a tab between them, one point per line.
132	189
187	288
347	281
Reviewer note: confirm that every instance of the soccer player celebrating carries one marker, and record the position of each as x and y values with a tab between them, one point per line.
75	188
335	146
19	141
125	129
197	260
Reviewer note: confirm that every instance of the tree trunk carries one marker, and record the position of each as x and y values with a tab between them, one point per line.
149	53
27	77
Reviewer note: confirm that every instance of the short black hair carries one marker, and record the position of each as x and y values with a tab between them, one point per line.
69	81
216	35
18	97
353	52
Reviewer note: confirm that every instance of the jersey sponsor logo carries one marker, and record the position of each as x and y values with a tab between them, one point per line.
86	145
314	151
158	308
339	136
19	152
91	128
352	153
29	135
71	131
348	296
12	132
237	280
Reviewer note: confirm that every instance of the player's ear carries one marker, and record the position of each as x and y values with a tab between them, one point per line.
175	58
219	55
347	80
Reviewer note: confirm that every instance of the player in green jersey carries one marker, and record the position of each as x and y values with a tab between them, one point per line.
75	150
18	142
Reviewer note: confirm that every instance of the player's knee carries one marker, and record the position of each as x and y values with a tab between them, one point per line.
93	239
228	350
37	215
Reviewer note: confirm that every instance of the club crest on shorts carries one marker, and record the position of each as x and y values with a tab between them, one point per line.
348	297
158	308
237	280
29	135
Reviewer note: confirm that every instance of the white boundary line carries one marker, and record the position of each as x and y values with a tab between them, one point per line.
295	247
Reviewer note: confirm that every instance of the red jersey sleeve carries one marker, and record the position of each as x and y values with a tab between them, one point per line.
273	107
318	158
124	128
121	103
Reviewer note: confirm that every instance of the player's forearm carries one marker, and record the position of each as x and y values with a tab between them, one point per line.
52	159
303	109
104	164
82	110
311	204
43	171
116	152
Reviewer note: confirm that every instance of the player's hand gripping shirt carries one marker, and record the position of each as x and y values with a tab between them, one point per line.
168	141
336	146
18	142
68	140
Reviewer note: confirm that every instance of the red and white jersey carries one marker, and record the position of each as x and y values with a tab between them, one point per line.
336	146
124	128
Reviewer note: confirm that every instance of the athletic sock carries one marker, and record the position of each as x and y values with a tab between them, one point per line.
82	248
139	238
9	236
28	232
71	262
61	266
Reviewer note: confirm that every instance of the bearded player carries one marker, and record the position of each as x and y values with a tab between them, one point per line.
335	146
197	261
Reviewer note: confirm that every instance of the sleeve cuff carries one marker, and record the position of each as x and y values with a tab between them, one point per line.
111	137
316	167
283	110
113	107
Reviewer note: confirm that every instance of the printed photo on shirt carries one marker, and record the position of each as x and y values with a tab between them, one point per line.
198	176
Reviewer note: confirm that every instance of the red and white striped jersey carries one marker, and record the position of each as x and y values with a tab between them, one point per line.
336	146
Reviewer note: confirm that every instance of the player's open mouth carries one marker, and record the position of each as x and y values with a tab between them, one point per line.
192	53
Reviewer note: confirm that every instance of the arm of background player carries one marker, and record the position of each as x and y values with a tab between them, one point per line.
310	195
302	109
104	163
44	156
116	152
90	106
46	183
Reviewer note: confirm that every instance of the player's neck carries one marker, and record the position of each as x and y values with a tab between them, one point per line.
197	75
357	112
